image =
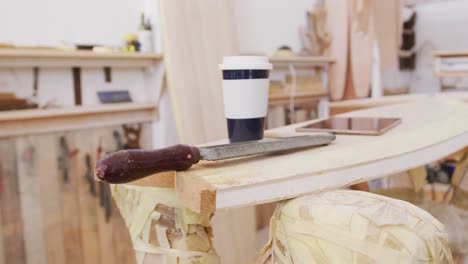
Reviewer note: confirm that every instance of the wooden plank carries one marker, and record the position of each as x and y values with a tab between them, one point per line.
305	59
216	184
2	254
44	114
10	205
30	193
458	74
357	104
208	186
14	53
195	40
123	247
337	21
15	123
230	228
388	27
122	241
104	139
300	97
450	53
70	197
197	34
361	56
5	95
51	198
88	204
22	58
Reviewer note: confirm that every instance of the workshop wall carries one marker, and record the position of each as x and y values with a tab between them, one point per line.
265	25
51	22
438	26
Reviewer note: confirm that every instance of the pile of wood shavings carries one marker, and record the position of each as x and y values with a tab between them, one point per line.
344	226
161	230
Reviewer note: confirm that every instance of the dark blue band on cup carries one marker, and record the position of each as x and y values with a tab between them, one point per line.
240	130
245	74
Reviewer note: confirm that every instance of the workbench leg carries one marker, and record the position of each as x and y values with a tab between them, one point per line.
234	235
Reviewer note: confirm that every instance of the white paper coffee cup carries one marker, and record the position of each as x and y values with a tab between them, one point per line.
245	91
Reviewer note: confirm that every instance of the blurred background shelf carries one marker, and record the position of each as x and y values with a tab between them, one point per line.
299	89
284	99
302	60
50	58
450	63
28	122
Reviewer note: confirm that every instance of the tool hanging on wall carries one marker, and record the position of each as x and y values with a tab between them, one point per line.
90	175
132	134
76	71
108	74
35	81
118	140
63	159
105	196
105	199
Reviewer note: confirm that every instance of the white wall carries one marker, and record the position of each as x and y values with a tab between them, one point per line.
438	26
49	22
265	25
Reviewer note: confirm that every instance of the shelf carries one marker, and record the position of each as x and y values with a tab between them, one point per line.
452	74
299	98
33	121
210	186
17	57
450	53
315	60
339	107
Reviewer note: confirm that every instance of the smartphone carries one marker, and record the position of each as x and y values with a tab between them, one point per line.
352	125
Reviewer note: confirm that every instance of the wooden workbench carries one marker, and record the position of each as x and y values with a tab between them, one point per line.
430	129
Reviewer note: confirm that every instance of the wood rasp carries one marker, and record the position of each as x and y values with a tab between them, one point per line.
133	164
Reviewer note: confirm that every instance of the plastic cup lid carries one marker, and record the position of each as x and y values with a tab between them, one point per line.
245	63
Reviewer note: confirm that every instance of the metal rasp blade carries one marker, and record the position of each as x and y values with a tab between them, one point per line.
133	164
264	146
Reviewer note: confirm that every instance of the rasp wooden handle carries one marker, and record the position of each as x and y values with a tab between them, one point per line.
133	164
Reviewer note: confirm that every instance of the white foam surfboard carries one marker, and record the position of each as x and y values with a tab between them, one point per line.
337	22
361	55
